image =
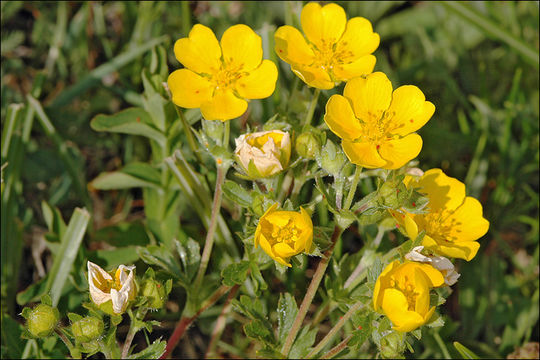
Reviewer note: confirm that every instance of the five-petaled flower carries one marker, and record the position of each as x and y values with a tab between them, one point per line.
402	293
119	290
377	124
263	154
454	221
219	77
283	234
336	49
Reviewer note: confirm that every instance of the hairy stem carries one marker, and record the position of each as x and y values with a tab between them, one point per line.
337	349
335	329
311	291
220	324
185	321
132	331
354	185
312	106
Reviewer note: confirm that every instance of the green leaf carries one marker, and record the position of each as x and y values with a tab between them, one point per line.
162	257
256	329
303	343
345	218
466	353
134	121
33	292
114	257
11	337
235	273
53	219
237	194
190	256
123	234
74	317
153	351
287	310
68	251
374	270
134	174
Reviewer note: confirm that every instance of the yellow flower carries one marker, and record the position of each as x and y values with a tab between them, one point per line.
219	77
454	221
283	234
440	263
119	290
263	154
336	49
377	125
402	293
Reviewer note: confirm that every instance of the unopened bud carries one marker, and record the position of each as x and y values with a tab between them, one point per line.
42	320
331	158
87	329
392	346
308	145
155	292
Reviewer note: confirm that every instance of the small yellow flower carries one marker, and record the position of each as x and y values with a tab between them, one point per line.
377	124
336	49
454	221
402	293
283	234
263	154
219	77
119	290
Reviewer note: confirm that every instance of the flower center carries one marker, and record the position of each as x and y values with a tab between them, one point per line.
287	234
439	225
227	75
407	288
329	54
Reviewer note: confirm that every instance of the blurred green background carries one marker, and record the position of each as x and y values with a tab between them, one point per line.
476	61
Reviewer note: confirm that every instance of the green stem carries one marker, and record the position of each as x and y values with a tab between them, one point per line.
141	313
226	134
187	130
441	344
354	185
310	293
220	324
312	106
209	241
335	329
186	18
337	349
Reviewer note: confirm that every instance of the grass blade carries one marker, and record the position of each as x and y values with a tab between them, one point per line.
68	251
466	353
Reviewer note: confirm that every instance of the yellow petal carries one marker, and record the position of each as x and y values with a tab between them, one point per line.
313	76
421	305
394	305
323	24
462	250
259	83
242	48
363	153
265	245
444	192
382	283
398	152
224	105
292	47
467	223
200	52
188	89
362	66
409	110
283	250
370	96
435	277
411	228
340	118
307	229
358	39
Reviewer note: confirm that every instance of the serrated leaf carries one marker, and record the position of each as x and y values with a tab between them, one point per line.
375	270
235	273
153	351
190	256
303	343
345	218
237	193
287	310
134	121
160	256
257	330
74	317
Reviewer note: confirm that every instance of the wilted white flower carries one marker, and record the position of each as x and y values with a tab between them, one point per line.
119	290
440	263
263	154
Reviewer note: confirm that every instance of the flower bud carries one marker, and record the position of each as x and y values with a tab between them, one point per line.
392	346
263	154
42	320
331	158
155	293
308	145
87	329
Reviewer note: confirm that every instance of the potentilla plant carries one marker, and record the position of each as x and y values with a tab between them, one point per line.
288	204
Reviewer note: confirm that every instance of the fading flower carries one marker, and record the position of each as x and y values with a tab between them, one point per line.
283	234
402	293
440	263
378	125
336	49
263	154
119	289
219	77
453	222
